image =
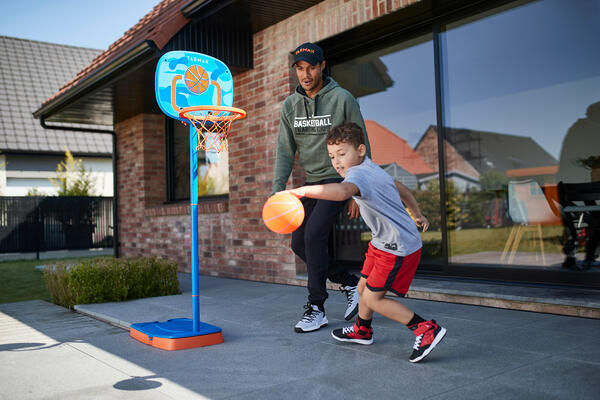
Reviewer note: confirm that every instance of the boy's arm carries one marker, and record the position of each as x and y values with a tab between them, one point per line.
330	191
410	201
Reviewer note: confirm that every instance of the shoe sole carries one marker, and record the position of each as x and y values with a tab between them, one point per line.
300	330
359	341
437	339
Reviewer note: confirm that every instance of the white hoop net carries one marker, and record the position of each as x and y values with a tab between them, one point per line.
212	125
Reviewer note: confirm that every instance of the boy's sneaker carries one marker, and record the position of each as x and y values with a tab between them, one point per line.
351	293
312	320
429	334
355	334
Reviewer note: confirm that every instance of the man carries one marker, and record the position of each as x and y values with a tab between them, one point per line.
317	104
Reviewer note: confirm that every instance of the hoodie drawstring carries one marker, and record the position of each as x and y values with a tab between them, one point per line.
306	107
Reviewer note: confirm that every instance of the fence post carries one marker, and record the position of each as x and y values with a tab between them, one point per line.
38	229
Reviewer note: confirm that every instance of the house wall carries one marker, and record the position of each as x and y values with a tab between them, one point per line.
232	238
20	174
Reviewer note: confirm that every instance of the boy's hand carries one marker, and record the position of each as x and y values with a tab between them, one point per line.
422	222
298	192
353	210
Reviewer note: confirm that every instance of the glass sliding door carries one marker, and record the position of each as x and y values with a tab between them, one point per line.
395	88
521	107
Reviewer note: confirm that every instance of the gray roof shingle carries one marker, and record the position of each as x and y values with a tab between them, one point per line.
30	72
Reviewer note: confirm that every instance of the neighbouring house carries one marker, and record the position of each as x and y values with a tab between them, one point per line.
388	149
471	153
401	175
32	71
459	170
368	41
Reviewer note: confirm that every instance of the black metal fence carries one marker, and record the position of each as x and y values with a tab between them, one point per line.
33	224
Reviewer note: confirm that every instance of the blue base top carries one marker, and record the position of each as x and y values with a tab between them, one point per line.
174	328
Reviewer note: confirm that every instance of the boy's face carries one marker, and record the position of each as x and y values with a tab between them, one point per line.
344	155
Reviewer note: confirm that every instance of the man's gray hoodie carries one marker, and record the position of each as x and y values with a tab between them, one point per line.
303	127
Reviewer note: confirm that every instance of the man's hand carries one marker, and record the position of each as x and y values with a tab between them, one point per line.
353	210
422	222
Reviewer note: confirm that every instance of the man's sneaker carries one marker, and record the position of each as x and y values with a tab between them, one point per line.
429	334
312	320
355	333
351	300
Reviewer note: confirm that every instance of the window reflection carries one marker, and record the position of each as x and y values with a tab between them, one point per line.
213	167
395	88
521	95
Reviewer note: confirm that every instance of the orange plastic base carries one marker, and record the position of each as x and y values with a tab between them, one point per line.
177	343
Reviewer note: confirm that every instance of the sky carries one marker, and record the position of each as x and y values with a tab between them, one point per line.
85	23
529	71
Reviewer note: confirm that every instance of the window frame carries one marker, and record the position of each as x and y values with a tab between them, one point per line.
170	170
430	17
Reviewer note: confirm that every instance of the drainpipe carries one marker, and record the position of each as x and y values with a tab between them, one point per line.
114	166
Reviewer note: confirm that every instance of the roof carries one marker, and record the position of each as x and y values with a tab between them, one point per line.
534	171
387	148
490	150
30	71
87	98
158	26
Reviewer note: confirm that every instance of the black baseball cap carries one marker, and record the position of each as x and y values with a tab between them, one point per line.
309	52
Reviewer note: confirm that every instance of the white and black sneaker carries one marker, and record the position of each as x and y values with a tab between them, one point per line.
312	320
351	293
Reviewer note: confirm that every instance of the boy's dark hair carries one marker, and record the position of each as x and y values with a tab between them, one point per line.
346	132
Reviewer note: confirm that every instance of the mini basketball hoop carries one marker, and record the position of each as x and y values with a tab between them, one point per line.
212	124
205	85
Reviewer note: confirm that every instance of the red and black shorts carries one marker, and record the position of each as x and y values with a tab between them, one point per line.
385	271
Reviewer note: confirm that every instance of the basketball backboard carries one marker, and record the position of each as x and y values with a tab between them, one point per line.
185	79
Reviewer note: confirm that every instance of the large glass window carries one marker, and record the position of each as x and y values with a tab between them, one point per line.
521	95
213	167
395	88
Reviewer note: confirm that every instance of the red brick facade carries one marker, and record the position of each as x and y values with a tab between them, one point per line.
233	241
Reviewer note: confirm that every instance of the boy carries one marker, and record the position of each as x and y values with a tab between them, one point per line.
395	248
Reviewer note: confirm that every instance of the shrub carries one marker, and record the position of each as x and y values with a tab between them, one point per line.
107	279
57	282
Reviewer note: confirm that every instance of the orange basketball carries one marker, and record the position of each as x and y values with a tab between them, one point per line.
283	213
196	79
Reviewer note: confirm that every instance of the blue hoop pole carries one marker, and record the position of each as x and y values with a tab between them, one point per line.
194	227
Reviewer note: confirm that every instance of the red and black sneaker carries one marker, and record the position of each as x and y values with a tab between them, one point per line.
354	333
429	334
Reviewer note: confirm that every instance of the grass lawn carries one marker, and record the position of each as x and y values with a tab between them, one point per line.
469	241
20	280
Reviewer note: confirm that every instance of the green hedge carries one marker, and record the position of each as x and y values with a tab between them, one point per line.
109	279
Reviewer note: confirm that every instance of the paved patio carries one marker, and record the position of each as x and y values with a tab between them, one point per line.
48	352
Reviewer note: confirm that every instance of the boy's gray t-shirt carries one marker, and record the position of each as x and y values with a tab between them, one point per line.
380	205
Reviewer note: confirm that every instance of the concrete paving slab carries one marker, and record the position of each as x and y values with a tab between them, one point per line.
488	353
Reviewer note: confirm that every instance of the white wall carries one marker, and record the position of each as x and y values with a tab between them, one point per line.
20	181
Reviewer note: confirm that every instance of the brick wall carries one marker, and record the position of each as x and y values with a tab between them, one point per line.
233	241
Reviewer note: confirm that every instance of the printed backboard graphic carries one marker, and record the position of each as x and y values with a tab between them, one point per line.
186	79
